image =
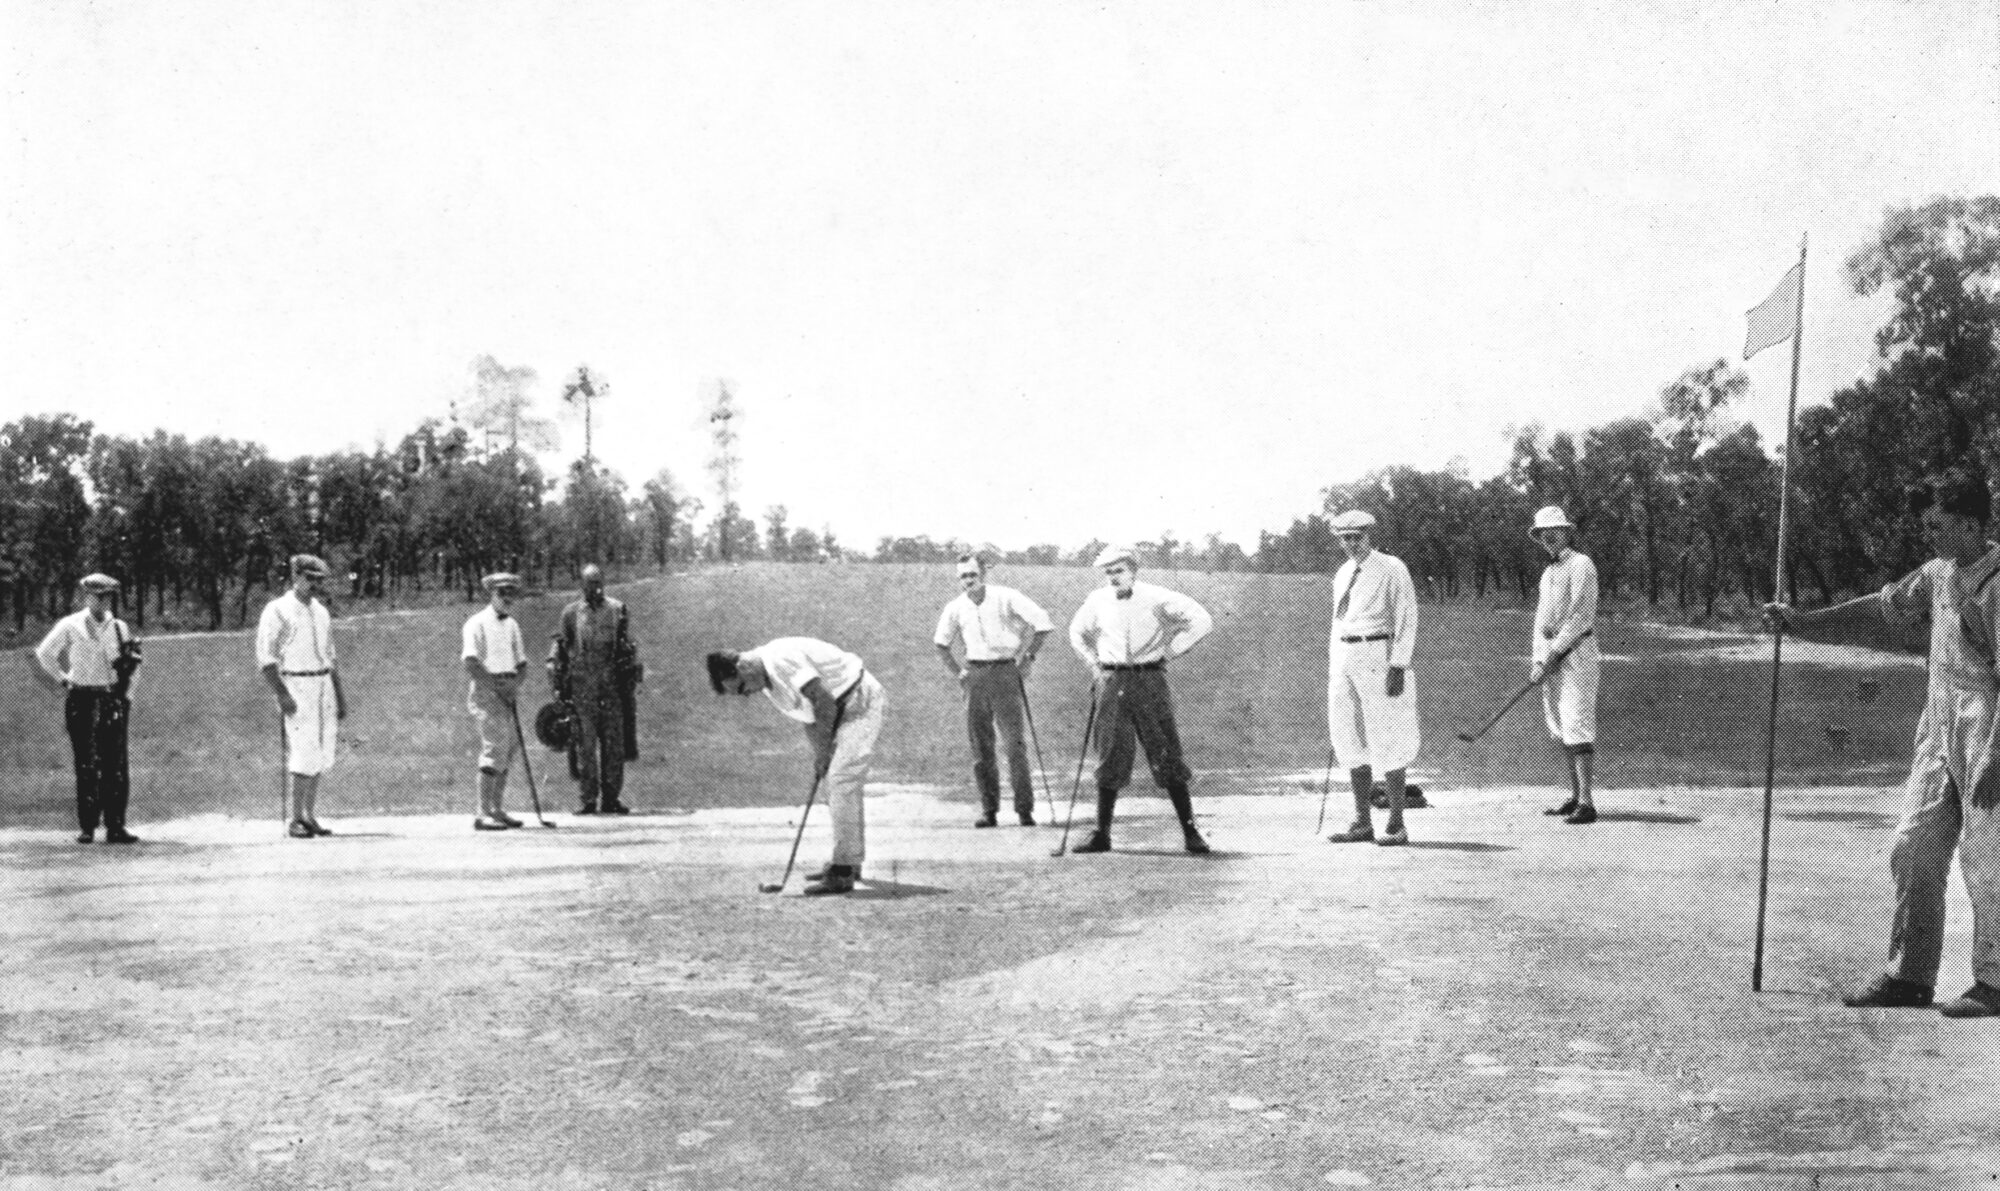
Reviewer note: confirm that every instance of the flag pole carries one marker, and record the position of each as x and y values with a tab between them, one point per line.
1778	631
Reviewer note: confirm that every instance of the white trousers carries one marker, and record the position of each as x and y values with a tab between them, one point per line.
1366	726
312	730
847	774
1569	695
1939	818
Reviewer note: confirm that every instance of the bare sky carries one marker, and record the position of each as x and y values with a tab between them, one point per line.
1020	273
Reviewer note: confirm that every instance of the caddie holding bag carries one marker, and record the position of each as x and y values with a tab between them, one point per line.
92	655
593	667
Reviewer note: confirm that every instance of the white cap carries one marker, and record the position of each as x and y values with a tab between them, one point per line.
1112	554
1551	517
1353	520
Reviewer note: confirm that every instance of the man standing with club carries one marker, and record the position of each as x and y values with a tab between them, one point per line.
495	660
593	666
91	655
1127	632
1951	801
1371	704
1002	631
295	655
1564	657
828	690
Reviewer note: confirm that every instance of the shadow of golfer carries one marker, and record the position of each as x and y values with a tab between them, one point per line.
1444	845
1666	817
1183	854
875	891
1866	820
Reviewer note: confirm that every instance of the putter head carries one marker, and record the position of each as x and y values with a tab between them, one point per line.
769	887
1467	737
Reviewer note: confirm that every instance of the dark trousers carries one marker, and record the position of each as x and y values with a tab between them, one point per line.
1135	706
994	706
599	750
96	723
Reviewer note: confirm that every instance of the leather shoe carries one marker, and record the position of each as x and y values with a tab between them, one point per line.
1981	1000
1192	841
488	825
588	808
1098	841
1890	992
317	829
1027	820
86	837
1567	808
1584	813
1398	838
820	873
616	808
989	819
500	817
120	837
839	878
300	830
1356	833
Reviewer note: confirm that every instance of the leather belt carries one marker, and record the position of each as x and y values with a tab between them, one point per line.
1369	637
1132	666
840	700
993	662
89	690
305	673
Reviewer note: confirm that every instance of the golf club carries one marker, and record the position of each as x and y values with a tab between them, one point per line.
1089	725
1040	765
284	812
1325	788
819	775
527	767
778	886
1496	717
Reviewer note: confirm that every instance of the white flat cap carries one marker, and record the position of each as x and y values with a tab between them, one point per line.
1112	554
1353	519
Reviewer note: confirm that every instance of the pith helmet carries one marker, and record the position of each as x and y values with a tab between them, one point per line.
1551	517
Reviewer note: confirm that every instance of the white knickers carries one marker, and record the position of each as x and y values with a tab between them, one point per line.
1366	726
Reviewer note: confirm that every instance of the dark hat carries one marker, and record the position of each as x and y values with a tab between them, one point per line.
552	727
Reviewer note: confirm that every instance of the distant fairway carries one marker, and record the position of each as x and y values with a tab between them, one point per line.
1678	708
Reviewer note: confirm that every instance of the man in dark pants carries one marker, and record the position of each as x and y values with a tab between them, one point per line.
592	667
1002	631
92	656
1126	633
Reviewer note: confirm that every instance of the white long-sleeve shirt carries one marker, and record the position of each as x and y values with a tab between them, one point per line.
78	650
1568	605
1381	601
1154	625
295	636
993	628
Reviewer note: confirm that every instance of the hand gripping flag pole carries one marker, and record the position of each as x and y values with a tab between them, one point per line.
1768	326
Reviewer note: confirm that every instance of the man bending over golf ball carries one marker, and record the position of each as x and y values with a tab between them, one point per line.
825	688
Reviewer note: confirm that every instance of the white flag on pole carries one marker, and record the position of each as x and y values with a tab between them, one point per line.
1775	318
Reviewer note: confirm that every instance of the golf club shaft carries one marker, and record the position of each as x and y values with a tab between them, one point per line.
1325	789
819	775
521	743
1089	725
284	783
1028	710
1548	669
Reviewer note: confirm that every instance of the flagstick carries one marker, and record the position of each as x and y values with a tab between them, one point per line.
1778	631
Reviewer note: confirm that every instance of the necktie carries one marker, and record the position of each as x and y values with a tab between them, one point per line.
1340	609
1126	594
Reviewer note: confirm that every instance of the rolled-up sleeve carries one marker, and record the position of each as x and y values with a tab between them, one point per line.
1403	613
1191	621
1083	633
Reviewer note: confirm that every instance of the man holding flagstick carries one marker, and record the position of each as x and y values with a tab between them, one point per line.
1952	798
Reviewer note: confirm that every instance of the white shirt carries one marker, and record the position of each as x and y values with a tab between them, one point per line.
295	636
1381	602
86	647
792	662
1568	605
992	629
495	642
1154	625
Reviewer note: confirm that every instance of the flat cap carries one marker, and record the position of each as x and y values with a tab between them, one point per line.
501	580
309	564
98	583
1352	520
1114	554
